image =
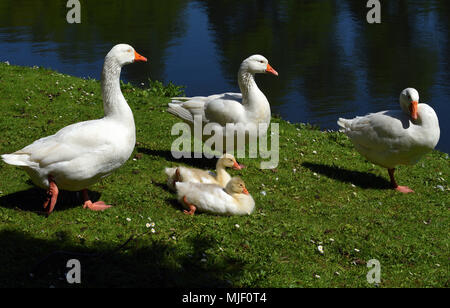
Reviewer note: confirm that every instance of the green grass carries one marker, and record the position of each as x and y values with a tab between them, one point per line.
334	198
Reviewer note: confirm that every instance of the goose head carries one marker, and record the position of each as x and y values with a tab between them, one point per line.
409	101
236	186
257	64
123	54
228	161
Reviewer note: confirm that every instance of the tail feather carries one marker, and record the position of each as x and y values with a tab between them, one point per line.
182	189
170	172
344	124
180	112
180	99
22	160
171	175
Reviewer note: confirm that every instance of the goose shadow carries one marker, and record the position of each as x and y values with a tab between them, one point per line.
146	263
171	201
361	179
32	199
186	158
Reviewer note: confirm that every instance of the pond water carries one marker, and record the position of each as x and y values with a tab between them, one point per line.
332	63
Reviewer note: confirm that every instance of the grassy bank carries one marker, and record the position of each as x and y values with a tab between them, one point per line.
322	193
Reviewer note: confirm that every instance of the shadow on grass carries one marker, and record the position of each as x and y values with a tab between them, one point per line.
172	201
202	163
31	200
361	179
143	263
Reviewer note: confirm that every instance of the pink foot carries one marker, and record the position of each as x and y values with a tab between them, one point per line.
192	208
404	189
97	206
52	195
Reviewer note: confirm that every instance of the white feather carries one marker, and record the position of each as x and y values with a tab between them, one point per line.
78	155
246	109
213	199
392	138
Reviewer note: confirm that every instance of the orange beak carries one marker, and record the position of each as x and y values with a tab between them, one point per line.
139	58
245	191
414	109
271	70
236	166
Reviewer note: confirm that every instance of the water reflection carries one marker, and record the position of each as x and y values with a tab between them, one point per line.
331	61
38	28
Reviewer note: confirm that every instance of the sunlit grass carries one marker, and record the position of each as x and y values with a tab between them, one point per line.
321	194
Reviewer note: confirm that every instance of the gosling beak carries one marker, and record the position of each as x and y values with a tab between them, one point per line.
236	166
414	109
245	191
271	70
139	58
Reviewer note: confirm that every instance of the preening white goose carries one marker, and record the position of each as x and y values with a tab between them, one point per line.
193	175
393	138
80	154
214	199
243	111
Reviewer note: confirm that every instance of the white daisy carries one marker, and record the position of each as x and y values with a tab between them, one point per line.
320	249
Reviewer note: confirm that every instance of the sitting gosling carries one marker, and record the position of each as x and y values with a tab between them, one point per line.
210	198
193	175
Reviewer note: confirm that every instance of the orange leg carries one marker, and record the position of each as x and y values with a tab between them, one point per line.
97	206
192	208
52	195
402	189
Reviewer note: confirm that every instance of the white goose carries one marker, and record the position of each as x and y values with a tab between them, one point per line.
241	111
81	154
209	198
393	138
193	175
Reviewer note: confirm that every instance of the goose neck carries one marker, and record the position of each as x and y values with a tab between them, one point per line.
245	204
222	175
114	102
427	117
247	84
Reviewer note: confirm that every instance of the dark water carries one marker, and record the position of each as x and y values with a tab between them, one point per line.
332	63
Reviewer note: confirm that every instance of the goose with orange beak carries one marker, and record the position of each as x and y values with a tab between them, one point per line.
240	111
195	175
393	138
79	155
214	199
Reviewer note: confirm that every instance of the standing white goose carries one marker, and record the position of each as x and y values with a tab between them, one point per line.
81	154
241	111
393	138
